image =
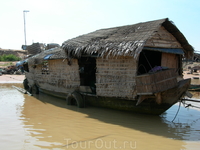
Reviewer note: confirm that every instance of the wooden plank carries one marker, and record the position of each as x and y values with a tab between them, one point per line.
163	39
169	60
149	93
156	82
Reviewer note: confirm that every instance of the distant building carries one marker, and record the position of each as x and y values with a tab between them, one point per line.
36	48
196	57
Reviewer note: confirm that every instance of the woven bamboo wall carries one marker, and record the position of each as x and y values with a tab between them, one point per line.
156	82
60	77
116	77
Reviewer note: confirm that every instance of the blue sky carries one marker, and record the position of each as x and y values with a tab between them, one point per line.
59	20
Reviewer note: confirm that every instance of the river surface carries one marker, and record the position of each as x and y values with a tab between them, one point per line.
45	122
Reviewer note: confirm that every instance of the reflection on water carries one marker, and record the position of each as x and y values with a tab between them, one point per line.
44	122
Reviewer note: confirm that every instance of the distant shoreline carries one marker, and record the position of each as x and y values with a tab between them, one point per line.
5	78
18	53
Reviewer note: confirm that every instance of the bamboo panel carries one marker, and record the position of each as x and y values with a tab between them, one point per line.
114	90
61	76
156	82
116	77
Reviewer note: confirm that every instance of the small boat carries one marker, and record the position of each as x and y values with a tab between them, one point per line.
195	77
194	87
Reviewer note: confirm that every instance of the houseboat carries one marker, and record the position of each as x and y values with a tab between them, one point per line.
133	68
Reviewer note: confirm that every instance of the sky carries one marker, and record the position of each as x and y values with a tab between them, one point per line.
55	21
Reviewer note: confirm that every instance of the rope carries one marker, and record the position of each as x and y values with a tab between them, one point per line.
147	60
191	100
177	111
190	105
187	105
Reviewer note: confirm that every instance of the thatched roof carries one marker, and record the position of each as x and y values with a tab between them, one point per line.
122	41
54	53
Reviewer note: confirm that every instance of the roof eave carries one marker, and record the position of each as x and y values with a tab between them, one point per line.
170	27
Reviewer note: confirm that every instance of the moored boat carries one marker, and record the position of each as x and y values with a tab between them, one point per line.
194	87
135	68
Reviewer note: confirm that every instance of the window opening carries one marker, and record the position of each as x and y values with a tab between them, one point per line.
25	66
148	60
45	67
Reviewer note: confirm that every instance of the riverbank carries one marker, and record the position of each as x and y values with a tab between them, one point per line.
18	53
5	78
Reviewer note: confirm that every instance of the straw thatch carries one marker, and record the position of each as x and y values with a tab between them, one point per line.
123	41
54	53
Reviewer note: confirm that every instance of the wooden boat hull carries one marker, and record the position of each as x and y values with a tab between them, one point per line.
149	105
194	87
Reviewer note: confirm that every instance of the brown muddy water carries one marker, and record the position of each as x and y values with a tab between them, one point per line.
45	122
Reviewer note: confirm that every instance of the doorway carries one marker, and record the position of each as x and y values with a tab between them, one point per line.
87	70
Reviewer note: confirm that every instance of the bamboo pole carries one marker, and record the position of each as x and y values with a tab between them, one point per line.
192	100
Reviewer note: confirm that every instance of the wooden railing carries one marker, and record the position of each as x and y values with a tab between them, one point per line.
148	84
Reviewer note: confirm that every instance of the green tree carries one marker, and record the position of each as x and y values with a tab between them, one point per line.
9	57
